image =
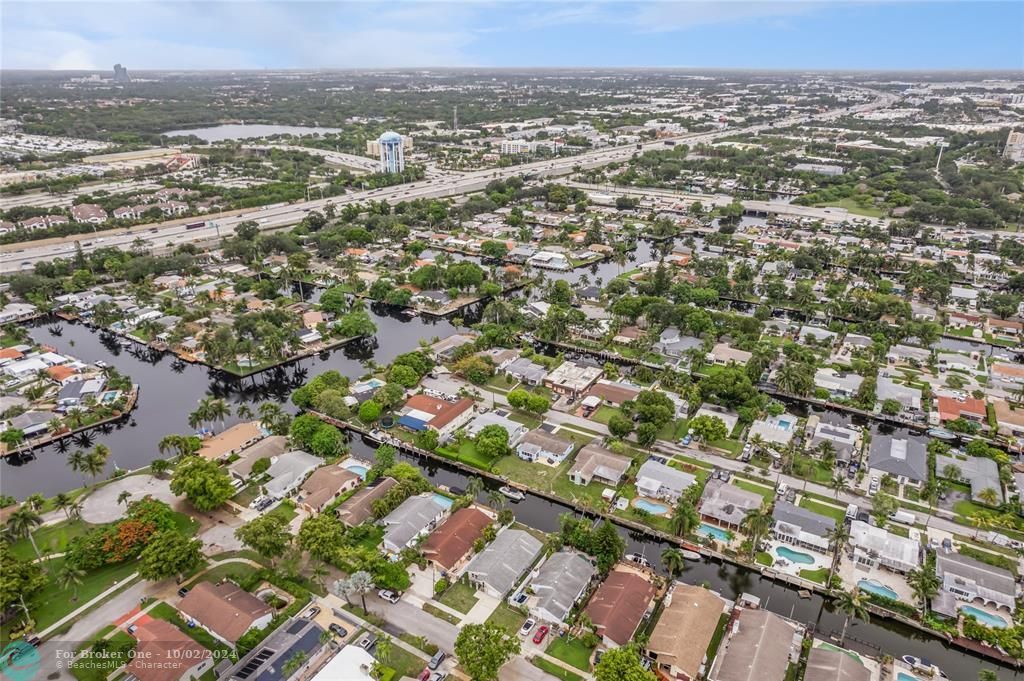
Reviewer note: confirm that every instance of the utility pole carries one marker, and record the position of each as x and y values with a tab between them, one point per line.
942	145
455	118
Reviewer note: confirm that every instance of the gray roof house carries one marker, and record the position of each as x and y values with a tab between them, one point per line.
838	384
887	389
905	460
498	567
525	371
908	353
32	422
829	664
982	473
844	440
594	462
658	481
968	579
801	527
514	429
760	645
539	444
415	517
727	504
558	584
288	471
672	344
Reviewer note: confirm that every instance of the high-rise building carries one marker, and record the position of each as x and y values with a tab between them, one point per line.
121	74
392	152
1014	149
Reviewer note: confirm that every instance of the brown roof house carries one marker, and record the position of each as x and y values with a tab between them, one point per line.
679	642
594	462
449	545
759	645
165	653
231	441
620	604
225	610
325	484
358	508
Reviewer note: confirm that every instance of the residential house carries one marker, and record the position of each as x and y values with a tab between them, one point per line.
232	441
32	423
875	546
572	379
267	448
802	527
76	393
514	429
968	579
525	371
88	212
450	545
759	645
595	463
726	504
845	441
658	481
414	517
908	354
672	344
225	610
540	445
904	460
287	472
1009	375
728	417
423	412
837	383
298	639
954	361
723	354
559	583
504	561
614	392
829	663
969	408
445	349
695	611
980	472
1009	419
887	389
774	429
358	508
165	653
326	484
1005	329
620	604
821	336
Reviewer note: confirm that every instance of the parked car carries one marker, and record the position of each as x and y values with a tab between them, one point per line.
687	439
527	626
388	595
424	675
436	660
257	501
725	475
367	642
538	638
182	592
519	599
438	676
338	630
312	612
781	491
791	496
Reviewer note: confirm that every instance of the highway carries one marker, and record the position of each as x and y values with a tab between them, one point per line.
162	236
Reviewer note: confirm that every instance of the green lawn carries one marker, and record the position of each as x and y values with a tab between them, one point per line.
51	538
852	206
766	492
467	454
286	510
107	656
819	575
555	670
572	651
570	491
673	431
51	603
812	469
604	413
507	618
236	572
405	663
440	614
838	514
763	558
459	596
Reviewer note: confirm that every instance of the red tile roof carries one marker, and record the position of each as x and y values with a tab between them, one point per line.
444	412
447	545
950	408
619	604
164	652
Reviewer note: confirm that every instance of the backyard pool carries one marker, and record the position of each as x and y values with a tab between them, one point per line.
903	676
358	469
712	532
874	587
794	556
652	507
109	396
443	500
986	618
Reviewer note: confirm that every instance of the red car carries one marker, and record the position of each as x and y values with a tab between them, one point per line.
541	633
425	676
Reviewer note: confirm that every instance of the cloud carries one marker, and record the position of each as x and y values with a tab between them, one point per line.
672	16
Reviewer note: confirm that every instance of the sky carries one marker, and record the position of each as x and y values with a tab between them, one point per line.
761	34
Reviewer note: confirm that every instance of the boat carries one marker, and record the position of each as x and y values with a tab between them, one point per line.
920	664
691	555
409	312
101	364
512	493
638	559
804	593
942	434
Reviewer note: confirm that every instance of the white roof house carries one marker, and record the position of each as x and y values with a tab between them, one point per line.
288	471
874	546
658	481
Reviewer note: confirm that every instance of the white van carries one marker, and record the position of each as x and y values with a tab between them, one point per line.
783	488
903	517
851	511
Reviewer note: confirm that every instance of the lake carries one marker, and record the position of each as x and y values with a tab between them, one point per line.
241	131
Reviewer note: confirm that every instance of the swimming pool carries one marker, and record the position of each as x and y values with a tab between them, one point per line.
652	507
903	676
443	500
986	618
109	396
794	556
785	424
357	469
712	532
874	587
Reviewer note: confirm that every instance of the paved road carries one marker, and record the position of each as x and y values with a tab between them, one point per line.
164	236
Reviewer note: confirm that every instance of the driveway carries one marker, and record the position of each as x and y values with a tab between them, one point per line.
518	669
408	617
101	506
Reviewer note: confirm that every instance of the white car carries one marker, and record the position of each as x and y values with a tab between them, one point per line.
527	626
388	595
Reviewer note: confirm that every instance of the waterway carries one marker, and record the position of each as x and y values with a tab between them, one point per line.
240	131
170	390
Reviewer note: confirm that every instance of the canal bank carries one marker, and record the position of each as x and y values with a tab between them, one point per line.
175	388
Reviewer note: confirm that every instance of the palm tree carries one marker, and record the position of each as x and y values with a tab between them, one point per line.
22	523
63	502
13	438
361	583
317	572
756	524
495	498
989	496
684	518
673	561
851	603
838	537
924	583
217	410
244	412
75	510
124	497
76	460
94	462
474	486
35	501
270	414
69	577
343	588
839	484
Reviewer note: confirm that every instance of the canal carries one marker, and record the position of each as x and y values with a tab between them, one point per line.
171	389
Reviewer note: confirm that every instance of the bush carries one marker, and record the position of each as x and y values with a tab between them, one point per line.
440	586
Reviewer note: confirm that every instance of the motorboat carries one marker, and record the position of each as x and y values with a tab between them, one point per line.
691	555
923	665
942	434
512	493
638	559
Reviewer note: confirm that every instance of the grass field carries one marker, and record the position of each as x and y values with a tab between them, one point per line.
819	575
571	651
555	670
508	619
51	538
459	596
51	603
834	512
440	614
852	206
766	492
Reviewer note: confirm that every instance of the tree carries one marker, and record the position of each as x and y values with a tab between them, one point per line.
483	649
22	523
69	578
361	583
756	524
851	603
267	535
882	506
203	482
169	553
19	579
159	467
492	441
619	426
622	664
684	517
646	434
322	535
708	428
891	407
673	561
369	411
924	583
427	439
124	497
607	545
327	441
